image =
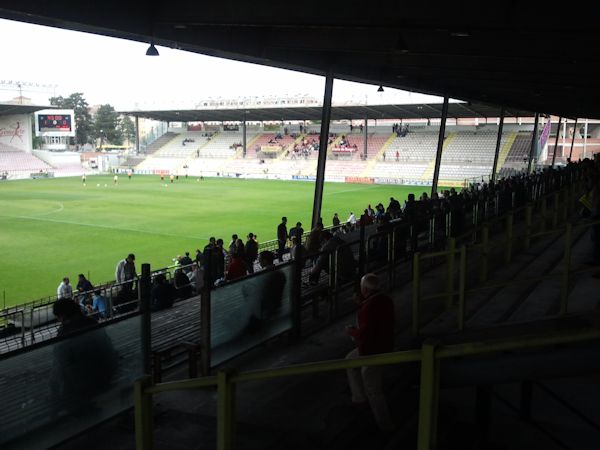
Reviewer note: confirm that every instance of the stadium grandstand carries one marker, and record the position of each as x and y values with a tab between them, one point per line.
19	160
392	144
463	318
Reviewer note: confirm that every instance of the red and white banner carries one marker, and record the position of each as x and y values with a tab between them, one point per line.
15	133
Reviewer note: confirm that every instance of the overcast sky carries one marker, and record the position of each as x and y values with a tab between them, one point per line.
116	71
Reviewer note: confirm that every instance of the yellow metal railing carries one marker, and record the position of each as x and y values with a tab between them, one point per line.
429	356
485	247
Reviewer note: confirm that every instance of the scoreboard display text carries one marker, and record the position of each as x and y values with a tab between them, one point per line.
51	122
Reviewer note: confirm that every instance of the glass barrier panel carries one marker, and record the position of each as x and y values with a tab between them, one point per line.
63	387
247	313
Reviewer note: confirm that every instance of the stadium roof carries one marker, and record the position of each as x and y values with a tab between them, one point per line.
520	54
412	111
12	108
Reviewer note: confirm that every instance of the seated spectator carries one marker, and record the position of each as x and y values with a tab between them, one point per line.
84	288
163	293
85	365
237	267
185	260
268	293
182	285
298	250
98	305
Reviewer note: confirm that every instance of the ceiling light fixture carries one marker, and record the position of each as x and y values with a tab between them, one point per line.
401	46
461	33
380	88
152	51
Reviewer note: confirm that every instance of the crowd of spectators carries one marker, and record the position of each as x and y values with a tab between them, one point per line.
216	263
305	148
400	129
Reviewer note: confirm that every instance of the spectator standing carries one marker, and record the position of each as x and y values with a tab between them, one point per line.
65	290
125	273
219	253
126	269
336	220
373	334
210	261
297	231
282	237
251	252
313	243
233	243
351	221
394	208
199	257
83	284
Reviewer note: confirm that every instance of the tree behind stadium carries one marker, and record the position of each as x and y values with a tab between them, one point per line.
83	118
107	126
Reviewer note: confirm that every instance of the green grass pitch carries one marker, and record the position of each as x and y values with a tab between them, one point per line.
51	228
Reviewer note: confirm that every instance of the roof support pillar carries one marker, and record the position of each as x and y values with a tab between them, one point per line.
573	139
585	133
564	143
534	138
325	118
440	146
244	136
366	146
498	142
137	134
556	141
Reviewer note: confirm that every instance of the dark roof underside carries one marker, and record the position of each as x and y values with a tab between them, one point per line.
524	55
414	111
9	108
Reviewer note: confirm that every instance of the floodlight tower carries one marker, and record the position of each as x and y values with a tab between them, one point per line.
28	87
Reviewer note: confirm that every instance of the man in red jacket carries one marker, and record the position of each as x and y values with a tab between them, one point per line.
373	334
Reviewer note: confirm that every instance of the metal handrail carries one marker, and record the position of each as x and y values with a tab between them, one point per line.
429	355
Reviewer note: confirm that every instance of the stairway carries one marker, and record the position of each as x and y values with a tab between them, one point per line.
373	160
428	173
